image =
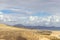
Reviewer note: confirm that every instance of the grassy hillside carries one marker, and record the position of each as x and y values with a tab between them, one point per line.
13	33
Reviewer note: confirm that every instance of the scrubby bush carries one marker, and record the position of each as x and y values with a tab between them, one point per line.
45	32
54	38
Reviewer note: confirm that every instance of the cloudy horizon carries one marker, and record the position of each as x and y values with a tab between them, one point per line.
30	12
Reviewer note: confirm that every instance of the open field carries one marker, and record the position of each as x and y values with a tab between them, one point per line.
13	33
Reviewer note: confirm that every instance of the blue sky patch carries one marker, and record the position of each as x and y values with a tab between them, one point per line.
7	11
42	14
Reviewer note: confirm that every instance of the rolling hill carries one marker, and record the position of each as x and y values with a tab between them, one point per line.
14	33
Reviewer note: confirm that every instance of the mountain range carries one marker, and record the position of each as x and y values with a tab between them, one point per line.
37	27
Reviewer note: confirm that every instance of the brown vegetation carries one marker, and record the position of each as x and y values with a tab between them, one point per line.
12	33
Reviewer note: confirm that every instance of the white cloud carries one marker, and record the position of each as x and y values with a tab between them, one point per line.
25	8
53	20
1	16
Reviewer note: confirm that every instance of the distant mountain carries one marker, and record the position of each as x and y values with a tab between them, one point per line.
37	27
18	25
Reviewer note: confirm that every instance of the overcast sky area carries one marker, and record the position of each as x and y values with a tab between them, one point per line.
30	12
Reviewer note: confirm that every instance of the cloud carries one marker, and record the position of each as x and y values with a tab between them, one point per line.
51	6
30	12
11	19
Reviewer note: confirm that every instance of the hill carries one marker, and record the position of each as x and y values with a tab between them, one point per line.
14	33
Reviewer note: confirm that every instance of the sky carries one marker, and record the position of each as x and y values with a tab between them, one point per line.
30	12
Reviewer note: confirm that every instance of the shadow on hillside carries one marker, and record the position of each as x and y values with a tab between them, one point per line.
20	38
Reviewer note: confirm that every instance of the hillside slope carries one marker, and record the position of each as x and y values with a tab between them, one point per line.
13	33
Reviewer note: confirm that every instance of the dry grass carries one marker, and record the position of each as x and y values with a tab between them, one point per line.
12	33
